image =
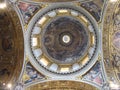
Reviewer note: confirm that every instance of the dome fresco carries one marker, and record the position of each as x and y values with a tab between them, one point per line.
59	49
63	38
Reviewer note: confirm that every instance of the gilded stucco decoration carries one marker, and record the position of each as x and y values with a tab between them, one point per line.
11	46
62	85
111	41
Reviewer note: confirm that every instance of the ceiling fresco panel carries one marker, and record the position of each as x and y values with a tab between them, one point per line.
111	42
11	45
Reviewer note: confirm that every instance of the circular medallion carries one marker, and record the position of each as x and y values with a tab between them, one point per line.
64	40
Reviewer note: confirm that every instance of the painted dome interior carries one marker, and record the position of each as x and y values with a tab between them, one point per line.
59	44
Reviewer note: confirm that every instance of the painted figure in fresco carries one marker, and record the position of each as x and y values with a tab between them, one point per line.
116	61
7	43
4	71
27	10
93	9
23	6
116	40
116	18
32	73
95	74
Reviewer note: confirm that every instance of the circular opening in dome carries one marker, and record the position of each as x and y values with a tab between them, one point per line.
66	38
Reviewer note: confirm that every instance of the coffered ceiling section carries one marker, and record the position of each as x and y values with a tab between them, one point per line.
11	44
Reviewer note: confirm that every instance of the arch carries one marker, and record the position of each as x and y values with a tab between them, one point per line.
110	43
12	45
62	84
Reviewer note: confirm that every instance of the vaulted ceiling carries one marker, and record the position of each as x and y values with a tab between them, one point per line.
60	44
61	85
11	45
